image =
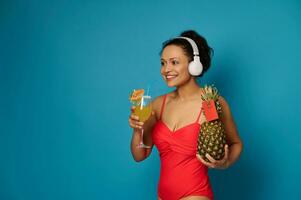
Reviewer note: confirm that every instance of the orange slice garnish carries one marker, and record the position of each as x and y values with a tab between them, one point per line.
136	95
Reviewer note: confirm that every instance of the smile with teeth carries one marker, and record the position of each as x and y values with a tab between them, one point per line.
169	77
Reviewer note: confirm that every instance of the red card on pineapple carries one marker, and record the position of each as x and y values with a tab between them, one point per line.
210	110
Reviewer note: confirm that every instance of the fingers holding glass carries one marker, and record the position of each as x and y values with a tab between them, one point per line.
134	122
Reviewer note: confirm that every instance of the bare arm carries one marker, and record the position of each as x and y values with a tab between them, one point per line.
233	139
139	154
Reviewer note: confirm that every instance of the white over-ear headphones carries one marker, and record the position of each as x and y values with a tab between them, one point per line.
195	67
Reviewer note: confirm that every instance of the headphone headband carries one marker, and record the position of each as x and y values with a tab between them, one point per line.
193	45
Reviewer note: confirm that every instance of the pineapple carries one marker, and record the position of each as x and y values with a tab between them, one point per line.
212	136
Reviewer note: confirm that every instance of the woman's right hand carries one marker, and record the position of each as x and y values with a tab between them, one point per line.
134	120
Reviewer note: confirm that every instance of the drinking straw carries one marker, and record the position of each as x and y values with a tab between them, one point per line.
147	90
142	102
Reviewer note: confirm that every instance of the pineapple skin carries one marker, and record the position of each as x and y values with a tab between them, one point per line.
212	140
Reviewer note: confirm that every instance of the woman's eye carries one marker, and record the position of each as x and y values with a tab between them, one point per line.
162	63
174	62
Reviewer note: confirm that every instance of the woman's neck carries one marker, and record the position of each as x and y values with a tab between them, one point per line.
188	91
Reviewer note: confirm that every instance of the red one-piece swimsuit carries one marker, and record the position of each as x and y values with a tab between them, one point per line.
181	173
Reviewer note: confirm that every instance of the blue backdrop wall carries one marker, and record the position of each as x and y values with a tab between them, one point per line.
67	68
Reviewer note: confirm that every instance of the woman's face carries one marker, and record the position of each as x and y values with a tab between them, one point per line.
174	66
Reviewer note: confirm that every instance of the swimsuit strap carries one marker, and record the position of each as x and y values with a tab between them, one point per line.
197	120
199	114
163	104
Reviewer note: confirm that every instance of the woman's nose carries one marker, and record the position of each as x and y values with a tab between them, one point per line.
168	67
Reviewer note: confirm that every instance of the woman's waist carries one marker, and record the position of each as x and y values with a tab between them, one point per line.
190	166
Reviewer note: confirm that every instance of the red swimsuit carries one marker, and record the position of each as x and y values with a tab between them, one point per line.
182	174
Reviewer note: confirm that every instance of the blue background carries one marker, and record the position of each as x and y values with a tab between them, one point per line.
66	70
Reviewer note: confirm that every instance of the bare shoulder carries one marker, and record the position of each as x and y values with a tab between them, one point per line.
226	112
222	101
157	103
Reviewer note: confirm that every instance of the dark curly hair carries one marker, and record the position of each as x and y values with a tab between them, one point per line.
205	51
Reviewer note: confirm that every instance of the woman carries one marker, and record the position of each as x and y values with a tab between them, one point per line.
175	122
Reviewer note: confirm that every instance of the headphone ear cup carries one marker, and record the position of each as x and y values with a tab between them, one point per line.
195	67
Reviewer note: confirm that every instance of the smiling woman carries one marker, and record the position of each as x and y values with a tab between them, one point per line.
174	65
177	117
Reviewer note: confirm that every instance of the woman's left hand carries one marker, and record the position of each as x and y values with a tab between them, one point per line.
218	164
